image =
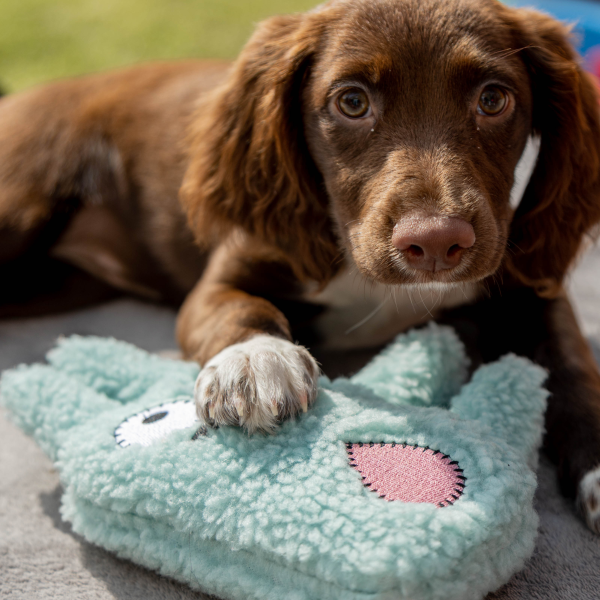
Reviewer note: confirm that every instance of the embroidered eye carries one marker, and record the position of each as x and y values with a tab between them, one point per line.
354	103
492	101
153	424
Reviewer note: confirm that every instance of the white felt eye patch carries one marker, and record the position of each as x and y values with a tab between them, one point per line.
153	424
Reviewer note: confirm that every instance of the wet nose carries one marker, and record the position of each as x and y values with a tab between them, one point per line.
432	243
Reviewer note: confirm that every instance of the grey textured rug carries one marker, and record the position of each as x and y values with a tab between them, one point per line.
41	558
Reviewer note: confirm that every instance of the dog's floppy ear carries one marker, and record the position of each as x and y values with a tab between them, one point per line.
562	200
250	167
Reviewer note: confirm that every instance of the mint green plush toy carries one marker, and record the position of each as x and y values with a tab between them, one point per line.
398	484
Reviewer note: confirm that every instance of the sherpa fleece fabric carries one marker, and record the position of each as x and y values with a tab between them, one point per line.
287	516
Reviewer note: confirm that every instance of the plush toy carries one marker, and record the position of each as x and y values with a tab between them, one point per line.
397	484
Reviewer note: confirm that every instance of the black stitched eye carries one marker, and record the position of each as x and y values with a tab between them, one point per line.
354	103
492	101
148	426
155	417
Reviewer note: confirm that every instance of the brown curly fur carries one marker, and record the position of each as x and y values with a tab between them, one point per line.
561	202
249	164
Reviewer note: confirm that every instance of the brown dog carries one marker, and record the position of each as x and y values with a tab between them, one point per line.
377	138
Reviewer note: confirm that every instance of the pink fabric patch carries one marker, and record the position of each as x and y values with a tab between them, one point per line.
408	473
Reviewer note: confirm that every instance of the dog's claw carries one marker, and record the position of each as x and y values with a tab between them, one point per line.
588	499
211	411
239	406
274	408
304	402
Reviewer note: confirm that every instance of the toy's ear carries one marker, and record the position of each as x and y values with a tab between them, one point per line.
120	370
508	396
424	367
46	404
88	376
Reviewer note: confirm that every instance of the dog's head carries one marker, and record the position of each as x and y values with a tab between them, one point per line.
391	130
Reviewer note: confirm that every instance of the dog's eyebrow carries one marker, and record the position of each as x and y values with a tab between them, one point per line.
367	69
474	65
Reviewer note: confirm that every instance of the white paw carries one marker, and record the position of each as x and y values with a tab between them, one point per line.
588	499
256	383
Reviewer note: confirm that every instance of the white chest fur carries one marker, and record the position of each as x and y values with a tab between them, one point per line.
362	313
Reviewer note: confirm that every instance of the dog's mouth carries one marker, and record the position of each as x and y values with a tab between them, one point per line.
391	267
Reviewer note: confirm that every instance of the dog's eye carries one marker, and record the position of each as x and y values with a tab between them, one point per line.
492	101
354	103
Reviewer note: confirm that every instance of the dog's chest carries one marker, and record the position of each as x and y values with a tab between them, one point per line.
361	313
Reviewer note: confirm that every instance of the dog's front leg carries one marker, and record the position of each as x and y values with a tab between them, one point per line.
253	374
573	416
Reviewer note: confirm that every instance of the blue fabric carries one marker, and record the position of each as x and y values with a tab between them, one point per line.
285	516
584	14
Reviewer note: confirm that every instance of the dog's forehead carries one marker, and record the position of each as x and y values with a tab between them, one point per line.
383	36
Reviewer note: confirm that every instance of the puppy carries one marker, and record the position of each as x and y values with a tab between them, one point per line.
375	139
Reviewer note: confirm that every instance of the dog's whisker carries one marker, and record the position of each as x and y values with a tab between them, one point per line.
367	318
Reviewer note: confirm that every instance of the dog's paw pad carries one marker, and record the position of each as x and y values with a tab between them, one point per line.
256	383
588	499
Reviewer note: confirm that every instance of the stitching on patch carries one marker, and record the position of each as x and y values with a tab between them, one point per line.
457	486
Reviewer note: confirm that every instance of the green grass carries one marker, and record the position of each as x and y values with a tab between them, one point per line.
42	40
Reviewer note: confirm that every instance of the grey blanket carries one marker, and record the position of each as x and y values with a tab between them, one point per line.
40	557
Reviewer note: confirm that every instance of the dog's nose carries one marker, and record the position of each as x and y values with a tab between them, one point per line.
432	243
